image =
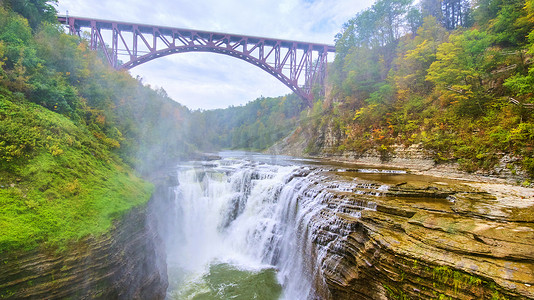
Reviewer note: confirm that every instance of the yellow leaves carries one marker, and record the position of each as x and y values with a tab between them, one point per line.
106	140
424	134
74	187
412	64
460	69
8	152
358	114
17	79
417	53
55	150
82	47
69	140
523	132
529	7
52	144
364	110
402	93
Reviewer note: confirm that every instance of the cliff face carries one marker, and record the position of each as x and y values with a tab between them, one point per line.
127	263
323	142
427	240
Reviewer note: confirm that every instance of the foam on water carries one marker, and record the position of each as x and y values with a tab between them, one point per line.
253	217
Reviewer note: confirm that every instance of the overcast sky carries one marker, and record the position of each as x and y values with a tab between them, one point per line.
207	80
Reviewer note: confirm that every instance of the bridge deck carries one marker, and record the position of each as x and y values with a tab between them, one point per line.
149	29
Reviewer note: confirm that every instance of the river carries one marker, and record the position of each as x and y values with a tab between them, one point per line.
242	227
253	226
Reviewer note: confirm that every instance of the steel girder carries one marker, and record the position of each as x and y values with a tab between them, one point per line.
299	65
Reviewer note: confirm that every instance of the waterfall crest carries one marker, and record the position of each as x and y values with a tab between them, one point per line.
251	217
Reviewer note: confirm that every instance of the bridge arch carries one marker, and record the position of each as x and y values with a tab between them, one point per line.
298	65
252	60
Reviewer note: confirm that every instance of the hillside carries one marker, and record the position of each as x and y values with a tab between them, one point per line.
455	79
256	125
74	134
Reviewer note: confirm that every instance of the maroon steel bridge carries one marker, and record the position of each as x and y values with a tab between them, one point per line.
299	65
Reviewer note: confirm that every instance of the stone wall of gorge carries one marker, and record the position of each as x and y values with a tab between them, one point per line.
425	240
127	263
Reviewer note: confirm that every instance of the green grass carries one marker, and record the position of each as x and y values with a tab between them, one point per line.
58	183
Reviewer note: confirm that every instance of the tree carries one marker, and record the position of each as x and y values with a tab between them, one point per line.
460	67
486	10
507	20
451	13
414	20
522	85
19	56
378	26
36	11
62	52
432	8
363	70
346	39
391	19
413	62
366	47
456	13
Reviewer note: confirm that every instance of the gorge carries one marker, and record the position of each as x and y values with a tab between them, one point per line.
310	230
251	226
105	192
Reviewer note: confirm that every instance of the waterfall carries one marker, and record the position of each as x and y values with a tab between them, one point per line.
251	216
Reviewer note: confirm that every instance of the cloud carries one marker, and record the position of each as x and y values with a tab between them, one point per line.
206	80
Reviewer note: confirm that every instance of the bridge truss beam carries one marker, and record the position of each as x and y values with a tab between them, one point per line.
299	65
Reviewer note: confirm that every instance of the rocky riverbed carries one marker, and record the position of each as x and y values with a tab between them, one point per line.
427	238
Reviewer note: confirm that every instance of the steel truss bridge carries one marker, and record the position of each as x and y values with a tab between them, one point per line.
299	65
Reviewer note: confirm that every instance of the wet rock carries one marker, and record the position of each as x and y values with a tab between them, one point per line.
428	240
127	263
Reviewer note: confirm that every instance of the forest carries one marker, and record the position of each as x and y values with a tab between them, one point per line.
454	76
256	125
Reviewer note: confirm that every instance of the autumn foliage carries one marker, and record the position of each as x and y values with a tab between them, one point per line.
455	77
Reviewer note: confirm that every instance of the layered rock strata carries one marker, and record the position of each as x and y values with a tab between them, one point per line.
127	263
410	239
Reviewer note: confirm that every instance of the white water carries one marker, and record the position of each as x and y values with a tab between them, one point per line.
253	216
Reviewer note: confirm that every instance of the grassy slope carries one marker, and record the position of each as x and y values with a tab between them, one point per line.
58	183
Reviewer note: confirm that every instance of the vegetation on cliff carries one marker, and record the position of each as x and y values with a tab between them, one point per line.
72	130
454	76
254	126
